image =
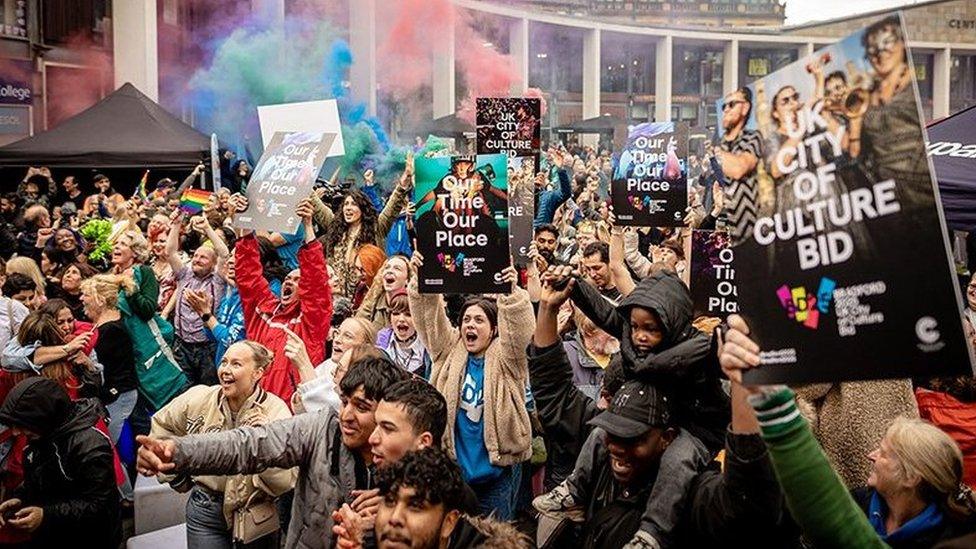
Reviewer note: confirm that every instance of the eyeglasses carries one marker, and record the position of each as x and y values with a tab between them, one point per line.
732	104
882	44
795	98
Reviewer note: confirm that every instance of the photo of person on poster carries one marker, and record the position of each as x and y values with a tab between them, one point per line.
827	189
462	222
738	152
464	186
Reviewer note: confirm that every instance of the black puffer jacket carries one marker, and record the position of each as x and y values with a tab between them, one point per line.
684	364
68	469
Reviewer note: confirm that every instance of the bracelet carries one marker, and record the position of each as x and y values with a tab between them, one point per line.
205	317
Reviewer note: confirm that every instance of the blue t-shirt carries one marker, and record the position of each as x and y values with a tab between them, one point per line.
469	428
288	252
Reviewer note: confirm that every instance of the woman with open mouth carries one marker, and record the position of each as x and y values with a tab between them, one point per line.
218	505
399	340
481	369
358	223
393	278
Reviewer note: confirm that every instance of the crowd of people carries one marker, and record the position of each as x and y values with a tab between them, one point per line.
306	394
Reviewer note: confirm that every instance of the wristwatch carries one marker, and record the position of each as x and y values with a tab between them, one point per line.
205	317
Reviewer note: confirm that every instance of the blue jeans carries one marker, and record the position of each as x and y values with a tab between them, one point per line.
500	496
205	524
118	412
207	529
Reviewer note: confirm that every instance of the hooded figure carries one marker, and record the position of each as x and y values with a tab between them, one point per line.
684	362
68	468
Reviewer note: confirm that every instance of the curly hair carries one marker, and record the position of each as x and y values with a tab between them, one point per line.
433	475
367	223
138	243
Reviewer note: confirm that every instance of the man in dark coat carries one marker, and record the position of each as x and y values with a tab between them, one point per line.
69	494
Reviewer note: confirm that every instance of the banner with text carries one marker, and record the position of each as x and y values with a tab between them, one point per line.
521	206
509	125
461	222
283	177
713	290
836	229
650	179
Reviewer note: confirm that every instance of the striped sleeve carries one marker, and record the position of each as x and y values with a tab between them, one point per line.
817	498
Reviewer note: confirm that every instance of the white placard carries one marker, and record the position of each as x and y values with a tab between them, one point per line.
307	116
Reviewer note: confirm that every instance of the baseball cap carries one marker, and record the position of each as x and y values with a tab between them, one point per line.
636	408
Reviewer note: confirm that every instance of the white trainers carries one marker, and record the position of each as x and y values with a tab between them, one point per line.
559	504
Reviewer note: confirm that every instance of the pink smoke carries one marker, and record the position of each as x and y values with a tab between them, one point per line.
411	40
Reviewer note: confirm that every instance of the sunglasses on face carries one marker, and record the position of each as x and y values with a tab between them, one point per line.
787	99
882	44
732	104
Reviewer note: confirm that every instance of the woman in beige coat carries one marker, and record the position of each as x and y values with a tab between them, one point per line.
482	370
219	506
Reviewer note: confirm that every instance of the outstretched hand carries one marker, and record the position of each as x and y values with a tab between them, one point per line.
155	456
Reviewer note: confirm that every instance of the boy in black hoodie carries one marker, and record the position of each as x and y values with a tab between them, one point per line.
659	346
69	492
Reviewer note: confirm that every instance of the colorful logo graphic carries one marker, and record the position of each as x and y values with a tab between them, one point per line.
804	307
451	263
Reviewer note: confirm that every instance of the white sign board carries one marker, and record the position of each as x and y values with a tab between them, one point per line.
307	116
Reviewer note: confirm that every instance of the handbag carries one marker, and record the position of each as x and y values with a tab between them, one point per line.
254	521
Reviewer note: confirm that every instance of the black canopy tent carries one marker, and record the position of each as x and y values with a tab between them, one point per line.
126	129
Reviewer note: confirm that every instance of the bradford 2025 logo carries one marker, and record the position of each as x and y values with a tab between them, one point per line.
805	307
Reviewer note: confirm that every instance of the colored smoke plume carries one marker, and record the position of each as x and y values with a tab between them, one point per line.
243	61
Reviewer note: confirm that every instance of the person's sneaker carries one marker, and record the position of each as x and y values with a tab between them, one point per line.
642	540
559	504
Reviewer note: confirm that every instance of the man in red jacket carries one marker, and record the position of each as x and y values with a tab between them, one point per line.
305	306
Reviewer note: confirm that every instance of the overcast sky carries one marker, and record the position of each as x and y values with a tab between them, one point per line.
804	11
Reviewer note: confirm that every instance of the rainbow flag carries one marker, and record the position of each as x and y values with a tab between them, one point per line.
141	190
193	201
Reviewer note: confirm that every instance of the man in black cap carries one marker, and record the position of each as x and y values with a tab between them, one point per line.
625	448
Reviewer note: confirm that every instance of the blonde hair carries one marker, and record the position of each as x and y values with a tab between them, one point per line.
262	355
27	267
925	451
134	239
104	289
366	326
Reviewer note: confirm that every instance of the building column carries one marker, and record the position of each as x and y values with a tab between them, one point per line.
134	45
941	82
444	86
806	50
518	48
730	67
662	79
362	42
591	73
